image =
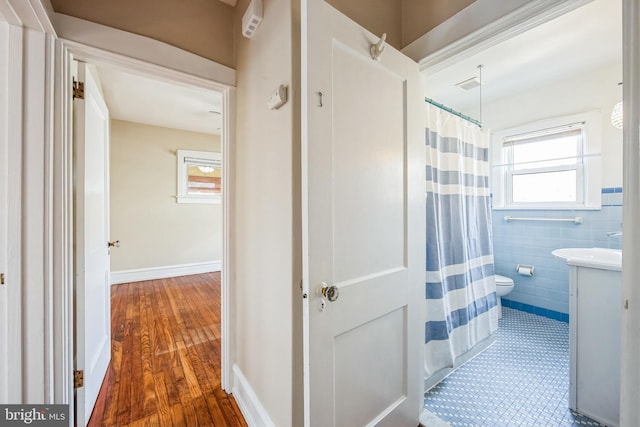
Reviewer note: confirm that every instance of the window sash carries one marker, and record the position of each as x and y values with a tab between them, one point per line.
573	129
579	168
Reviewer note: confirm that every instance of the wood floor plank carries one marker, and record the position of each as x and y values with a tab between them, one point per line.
165	364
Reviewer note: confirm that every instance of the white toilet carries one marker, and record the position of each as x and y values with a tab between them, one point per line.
504	286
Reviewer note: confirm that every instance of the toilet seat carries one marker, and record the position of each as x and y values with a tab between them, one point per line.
503	281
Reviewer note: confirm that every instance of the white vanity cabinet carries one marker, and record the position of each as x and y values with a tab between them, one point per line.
595	343
595	319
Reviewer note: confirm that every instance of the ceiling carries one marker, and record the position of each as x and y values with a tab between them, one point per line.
587	38
139	99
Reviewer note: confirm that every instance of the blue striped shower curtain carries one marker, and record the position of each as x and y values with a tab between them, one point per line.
460	283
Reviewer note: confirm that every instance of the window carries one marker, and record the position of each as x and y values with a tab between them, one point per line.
542	166
199	177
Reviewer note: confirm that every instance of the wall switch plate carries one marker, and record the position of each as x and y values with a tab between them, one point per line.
278	98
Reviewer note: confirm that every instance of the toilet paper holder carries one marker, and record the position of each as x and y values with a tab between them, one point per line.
525	270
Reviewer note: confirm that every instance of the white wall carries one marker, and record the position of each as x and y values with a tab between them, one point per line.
267	240
597	90
154	230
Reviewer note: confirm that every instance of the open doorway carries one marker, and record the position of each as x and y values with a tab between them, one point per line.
533	86
152	121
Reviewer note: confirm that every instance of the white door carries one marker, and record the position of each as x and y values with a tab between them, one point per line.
92	293
364	227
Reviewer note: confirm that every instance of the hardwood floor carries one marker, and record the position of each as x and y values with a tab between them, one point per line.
165	356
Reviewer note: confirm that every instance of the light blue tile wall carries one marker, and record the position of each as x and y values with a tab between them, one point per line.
531	243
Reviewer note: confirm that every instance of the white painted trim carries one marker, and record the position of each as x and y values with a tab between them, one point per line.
254	413
630	378
61	217
482	24
50	307
13	284
64	164
33	14
153	273
4	207
35	141
131	50
8	14
227	297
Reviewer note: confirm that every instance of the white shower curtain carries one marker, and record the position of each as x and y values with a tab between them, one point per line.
460	290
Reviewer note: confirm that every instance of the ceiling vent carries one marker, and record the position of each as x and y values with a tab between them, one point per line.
469	83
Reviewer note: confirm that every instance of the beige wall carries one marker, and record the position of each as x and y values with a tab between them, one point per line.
266	242
419	16
206	27
153	229
203	27
377	16
403	21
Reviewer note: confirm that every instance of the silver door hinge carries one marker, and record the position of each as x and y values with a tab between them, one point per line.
78	90
78	379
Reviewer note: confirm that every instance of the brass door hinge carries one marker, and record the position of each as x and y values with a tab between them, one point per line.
1	278
78	90
78	379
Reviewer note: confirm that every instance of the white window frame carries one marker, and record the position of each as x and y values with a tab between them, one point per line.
191	157
588	166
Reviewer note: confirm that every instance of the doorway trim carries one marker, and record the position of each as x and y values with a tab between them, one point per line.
193	71
516	23
473	29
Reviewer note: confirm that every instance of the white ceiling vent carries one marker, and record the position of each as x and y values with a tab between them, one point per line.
252	18
469	83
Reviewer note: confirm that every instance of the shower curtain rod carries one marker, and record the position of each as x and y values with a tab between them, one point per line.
452	111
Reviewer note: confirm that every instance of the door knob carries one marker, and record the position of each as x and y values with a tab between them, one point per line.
115	244
330	292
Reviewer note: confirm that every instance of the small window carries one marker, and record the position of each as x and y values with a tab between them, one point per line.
199	177
545	166
552	164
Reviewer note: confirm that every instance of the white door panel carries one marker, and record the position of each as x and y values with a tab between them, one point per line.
92	293
363	213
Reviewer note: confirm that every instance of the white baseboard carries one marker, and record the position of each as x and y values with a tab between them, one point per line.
137	275
254	413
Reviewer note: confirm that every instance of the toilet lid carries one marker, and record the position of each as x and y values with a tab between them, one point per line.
502	280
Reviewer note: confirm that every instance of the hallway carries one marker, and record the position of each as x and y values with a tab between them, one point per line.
165	366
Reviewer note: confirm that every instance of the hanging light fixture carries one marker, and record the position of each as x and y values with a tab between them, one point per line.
616	115
206	169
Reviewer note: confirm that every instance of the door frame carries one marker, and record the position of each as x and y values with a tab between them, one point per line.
196	72
10	122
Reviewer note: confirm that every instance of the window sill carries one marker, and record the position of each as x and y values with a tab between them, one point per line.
204	200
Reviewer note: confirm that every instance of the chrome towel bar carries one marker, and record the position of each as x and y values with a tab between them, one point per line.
575	220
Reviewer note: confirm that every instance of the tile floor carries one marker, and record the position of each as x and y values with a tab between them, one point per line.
521	380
